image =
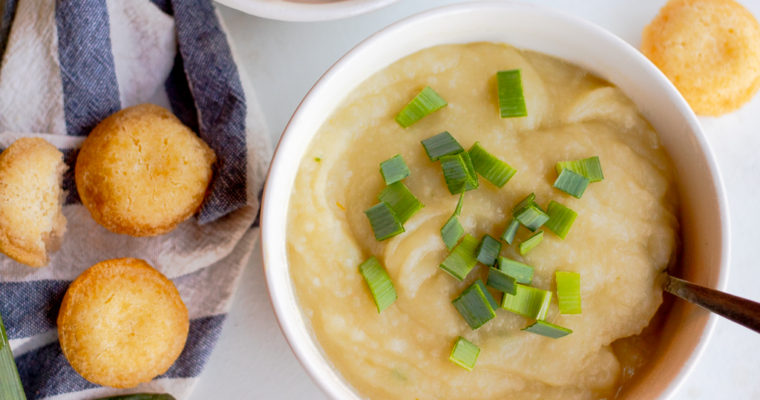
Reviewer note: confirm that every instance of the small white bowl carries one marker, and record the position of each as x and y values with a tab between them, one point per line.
306	10
704	215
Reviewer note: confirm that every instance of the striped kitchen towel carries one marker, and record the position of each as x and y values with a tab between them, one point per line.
68	64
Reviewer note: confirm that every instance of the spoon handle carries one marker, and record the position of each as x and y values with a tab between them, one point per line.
742	311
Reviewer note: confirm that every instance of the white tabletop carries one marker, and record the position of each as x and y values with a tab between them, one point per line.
283	60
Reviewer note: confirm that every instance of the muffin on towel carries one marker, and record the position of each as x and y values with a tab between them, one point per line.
141	171
709	49
31	222
122	323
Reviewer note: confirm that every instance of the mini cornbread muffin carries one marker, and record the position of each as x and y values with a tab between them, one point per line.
122	323
31	221
141	171
710	50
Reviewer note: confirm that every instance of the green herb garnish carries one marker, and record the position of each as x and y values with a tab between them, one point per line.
527	301
531	216
489	296
571	183
510	94
500	281
474	306
568	292
401	201
530	243
425	102
380	284
560	220
462	259
442	144
488	250
394	169
451	232
464	353
458	173
590	167
509	233
528	200
10	382
546	329
489	167
523	273
384	221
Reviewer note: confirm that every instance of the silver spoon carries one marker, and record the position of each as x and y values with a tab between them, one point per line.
742	311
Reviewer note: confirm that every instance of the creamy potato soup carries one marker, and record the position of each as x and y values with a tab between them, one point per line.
625	234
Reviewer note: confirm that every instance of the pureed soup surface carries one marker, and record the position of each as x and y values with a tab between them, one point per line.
624	237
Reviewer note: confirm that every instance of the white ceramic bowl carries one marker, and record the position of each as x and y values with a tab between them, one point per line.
306	10
704	216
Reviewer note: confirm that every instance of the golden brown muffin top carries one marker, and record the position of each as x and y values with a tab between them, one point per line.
31	222
709	49
141	171
122	323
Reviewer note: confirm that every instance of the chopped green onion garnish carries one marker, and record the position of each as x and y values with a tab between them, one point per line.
489	167
571	183
10	382
568	292
459	173
451	232
527	301
474	306
472	176
464	354
401	200
488	250
440	145
394	169
510	92
379	283
501	281
424	103
317	159
560	220
531	242
489	296
590	167
531	216
462	259
384	221
528	200
139	396
523	273
509	233
546	329
458	210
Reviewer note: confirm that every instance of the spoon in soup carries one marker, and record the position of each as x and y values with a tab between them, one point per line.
742	311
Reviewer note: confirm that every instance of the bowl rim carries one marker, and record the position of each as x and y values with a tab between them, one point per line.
289	324
285	10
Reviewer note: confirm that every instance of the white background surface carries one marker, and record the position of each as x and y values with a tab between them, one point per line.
284	59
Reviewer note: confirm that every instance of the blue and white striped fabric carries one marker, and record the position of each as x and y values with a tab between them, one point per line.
68	64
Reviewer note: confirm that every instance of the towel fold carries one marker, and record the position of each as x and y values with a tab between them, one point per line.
66	66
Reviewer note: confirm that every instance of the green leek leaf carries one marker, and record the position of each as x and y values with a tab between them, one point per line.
394	169
568	292
462	259
380	284
464	353
425	102
546	329
10	382
510	94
